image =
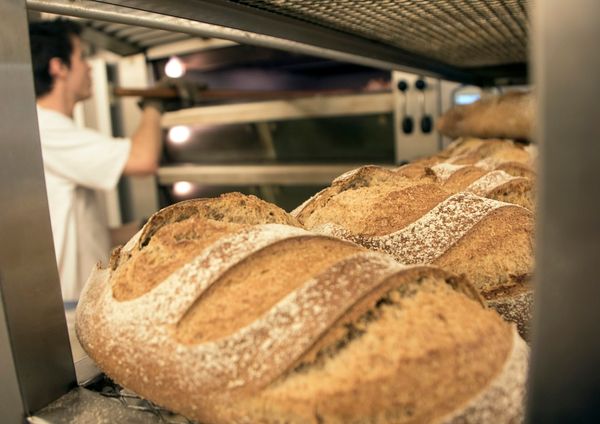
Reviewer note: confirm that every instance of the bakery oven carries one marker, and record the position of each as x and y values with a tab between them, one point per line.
453	50
252	145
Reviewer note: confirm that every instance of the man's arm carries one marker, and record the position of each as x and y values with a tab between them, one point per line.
146	144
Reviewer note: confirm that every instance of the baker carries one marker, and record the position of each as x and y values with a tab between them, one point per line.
79	161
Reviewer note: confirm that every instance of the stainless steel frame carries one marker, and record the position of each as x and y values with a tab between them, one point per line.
36	366
227	20
283	110
291	174
565	364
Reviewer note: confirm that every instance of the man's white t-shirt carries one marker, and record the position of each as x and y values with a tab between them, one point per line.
77	162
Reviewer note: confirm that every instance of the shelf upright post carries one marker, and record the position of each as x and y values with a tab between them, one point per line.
564	383
36	366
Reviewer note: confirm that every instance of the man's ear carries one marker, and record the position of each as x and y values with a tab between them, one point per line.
57	68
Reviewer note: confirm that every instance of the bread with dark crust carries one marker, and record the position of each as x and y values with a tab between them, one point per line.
517	159
509	115
417	221
268	323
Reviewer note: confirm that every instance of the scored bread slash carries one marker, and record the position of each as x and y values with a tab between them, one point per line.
270	323
414	216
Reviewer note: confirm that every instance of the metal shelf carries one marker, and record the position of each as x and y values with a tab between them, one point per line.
279	110
291	174
477	42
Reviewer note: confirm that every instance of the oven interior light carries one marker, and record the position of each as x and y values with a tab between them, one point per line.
182	188
179	134
175	68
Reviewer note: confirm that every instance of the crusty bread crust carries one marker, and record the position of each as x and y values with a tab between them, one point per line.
229	207
364	339
374	211
516	158
516	307
373	192
416	394
509	387
510	115
496	184
182	230
432	234
489	242
230	304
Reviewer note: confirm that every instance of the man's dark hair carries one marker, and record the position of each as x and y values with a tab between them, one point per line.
49	39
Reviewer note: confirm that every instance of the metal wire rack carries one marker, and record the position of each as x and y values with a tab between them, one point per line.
481	42
464	33
109	389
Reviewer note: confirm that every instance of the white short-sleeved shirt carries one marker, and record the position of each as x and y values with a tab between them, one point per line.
77	163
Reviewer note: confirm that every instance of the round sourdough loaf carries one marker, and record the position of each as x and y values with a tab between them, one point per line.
239	322
417	220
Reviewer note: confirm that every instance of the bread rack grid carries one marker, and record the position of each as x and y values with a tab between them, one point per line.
467	34
440	50
106	387
102	400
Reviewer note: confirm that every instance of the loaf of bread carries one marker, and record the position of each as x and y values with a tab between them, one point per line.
419	222
510	115
491	153
516	159
497	184
236	321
